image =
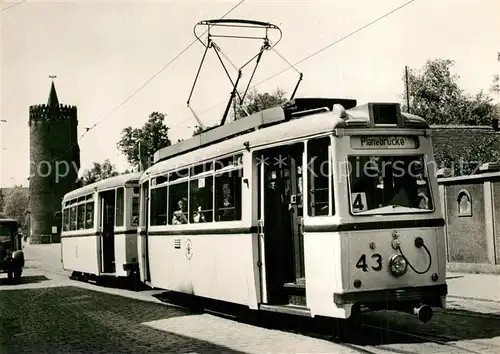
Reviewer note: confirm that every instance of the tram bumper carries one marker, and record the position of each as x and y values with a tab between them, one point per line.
408	299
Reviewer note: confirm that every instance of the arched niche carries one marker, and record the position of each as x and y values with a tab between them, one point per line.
464	203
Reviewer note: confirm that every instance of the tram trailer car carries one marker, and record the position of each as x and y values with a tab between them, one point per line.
319	208
99	229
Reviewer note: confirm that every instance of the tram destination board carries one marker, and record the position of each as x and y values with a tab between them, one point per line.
384	142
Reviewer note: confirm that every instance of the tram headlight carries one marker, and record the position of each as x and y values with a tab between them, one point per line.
398	265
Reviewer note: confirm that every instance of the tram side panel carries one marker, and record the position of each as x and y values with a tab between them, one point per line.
125	251
80	253
323	271
217	266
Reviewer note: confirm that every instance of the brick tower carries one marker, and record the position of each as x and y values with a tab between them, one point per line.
54	164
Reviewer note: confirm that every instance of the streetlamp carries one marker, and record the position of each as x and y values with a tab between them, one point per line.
1	167
1	152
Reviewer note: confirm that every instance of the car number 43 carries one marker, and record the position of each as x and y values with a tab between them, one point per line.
376	262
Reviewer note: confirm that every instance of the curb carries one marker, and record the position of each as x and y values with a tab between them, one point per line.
473	298
473	268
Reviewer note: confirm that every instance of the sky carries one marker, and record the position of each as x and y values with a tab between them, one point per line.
102	52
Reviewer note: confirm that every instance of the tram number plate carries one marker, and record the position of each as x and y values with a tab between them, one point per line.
358	202
377	258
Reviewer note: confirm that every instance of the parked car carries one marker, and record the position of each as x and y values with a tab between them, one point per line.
11	253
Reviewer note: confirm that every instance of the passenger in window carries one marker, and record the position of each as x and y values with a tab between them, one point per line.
89	222
423	201
198	215
405	191
180	214
226	213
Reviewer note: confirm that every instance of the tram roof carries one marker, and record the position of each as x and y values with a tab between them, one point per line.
108	183
306	126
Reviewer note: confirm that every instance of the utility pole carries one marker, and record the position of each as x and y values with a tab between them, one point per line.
407	89
141	166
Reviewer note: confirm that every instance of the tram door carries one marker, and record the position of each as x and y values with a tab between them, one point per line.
108	227
144	231
280	216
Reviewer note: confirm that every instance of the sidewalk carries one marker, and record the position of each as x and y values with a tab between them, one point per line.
48	256
483	287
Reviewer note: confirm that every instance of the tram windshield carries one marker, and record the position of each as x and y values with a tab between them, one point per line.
389	185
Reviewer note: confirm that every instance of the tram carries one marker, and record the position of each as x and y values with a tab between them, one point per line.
317	207
99	227
324	207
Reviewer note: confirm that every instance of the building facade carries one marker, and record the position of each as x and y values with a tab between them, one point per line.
54	165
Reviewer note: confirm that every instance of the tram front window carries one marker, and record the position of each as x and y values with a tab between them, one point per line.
389	185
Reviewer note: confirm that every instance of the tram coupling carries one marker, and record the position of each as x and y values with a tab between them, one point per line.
423	312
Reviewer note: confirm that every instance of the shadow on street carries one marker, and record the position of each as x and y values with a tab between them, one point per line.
376	328
28	279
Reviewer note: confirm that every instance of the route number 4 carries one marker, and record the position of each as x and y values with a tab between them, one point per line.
361	264
358	202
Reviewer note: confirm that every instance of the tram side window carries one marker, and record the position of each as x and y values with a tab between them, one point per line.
318	177
178	203
66	219
201	200
119	206
81	216
228	196
89	211
72	218
158	206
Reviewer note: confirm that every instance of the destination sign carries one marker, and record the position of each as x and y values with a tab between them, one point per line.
384	142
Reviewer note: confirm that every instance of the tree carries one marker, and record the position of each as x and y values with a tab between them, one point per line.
2	201
198	130
495	90
480	149
436	96
16	206
254	102
152	137
495	86
99	172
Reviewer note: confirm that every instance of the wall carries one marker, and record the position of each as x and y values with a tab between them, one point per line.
472	229
473	241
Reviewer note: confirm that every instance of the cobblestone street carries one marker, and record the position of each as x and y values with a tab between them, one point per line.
76	320
49	313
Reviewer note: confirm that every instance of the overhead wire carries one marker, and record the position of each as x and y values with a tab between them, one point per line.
11	6
143	85
154	76
309	56
259	83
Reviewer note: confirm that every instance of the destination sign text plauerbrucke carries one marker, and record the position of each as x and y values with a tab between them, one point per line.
383	142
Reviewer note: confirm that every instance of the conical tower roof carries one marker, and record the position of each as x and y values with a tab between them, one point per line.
53	102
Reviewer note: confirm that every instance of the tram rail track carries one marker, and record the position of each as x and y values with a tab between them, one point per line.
443	340
439	339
